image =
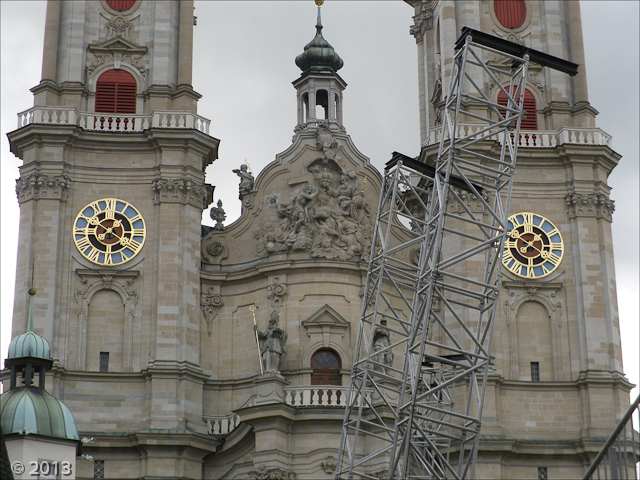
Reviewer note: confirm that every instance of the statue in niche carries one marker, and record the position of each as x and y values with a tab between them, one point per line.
219	215
381	340
272	344
246	179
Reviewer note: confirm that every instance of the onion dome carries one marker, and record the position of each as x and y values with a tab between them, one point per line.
319	56
34	411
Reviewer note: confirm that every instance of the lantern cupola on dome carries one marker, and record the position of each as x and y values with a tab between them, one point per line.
319	86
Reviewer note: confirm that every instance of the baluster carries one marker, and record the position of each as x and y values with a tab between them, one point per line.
216	427
54	117
45	117
334	397
173	121
165	121
181	122
297	399
325	398
315	398
343	398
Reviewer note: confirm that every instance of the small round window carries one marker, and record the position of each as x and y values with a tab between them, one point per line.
121	5
510	13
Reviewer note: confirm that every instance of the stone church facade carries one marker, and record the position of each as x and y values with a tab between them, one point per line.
188	351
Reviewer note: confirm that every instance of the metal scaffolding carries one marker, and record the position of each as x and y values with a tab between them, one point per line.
422	355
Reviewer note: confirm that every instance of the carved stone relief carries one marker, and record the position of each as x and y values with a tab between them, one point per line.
329	464
214	249
211	303
271	473
589	205
119	27
179	190
35	187
328	217
276	293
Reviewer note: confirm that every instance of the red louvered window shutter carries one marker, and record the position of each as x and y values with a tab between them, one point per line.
116	92
530	120
121	5
510	13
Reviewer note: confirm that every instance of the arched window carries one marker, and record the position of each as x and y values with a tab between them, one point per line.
530	120
116	92
121	5
326	368
510	13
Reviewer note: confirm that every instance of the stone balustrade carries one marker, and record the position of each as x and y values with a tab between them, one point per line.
317	396
535	138
222	425
105	122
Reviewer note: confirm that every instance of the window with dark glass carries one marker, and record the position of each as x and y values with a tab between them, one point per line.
510	13
98	469
326	368
542	473
104	362
535	371
530	120
116	92
121	5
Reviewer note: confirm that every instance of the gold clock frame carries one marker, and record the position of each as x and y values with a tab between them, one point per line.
109	231
534	247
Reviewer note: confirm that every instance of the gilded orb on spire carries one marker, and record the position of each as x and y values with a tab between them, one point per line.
319	2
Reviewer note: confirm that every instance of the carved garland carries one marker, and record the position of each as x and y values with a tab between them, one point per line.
35	187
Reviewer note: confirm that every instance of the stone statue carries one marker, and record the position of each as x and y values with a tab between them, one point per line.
272	344
246	179
381	340
218	214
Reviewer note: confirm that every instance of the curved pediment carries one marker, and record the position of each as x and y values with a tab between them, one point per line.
316	200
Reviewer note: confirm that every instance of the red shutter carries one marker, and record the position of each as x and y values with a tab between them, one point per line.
121	5
530	121
510	13
116	92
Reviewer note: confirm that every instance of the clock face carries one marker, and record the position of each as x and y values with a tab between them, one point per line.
109	231
533	247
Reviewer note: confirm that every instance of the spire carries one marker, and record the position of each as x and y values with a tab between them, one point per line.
319	56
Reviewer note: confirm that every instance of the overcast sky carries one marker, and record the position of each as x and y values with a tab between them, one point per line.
244	65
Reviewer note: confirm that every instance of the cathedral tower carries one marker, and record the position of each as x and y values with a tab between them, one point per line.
111	193
558	387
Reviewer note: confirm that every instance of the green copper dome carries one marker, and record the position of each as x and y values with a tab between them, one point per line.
29	344
319	56
36	410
